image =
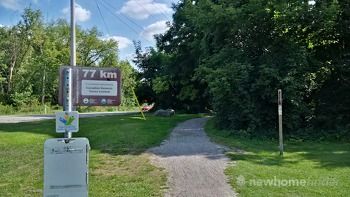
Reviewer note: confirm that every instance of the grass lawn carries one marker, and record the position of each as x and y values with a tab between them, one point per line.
307	169
117	165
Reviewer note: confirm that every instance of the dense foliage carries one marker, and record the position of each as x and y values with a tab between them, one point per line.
233	56
32	52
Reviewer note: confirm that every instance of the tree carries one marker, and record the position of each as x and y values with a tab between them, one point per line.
33	52
16	43
236	54
170	69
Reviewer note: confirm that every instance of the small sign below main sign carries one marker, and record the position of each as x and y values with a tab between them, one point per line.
67	121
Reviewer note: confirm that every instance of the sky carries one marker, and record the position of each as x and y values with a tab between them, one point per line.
122	20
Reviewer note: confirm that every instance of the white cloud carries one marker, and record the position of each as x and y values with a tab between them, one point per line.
11	4
123	42
81	14
154	28
142	9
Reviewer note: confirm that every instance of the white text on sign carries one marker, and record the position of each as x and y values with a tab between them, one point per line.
102	74
99	88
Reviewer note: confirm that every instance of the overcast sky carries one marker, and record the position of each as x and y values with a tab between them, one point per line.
123	20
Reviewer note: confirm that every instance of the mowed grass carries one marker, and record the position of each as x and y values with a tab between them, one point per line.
118	166
306	169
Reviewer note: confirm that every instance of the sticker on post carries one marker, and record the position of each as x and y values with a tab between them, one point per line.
280	110
67	122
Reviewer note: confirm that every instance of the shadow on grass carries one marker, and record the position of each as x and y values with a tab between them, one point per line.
265	152
272	159
44	127
330	159
115	135
121	135
326	155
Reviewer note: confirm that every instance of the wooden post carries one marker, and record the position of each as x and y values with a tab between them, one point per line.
280	128
137	101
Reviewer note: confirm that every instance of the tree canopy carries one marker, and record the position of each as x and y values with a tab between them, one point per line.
32	52
233	56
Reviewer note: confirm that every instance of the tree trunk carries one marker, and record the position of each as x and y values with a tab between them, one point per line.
43	87
10	76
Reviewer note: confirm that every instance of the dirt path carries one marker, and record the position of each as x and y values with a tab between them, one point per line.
195	165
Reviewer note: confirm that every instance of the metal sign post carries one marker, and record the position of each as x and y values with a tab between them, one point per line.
280	121
72	34
66	160
67	93
68	76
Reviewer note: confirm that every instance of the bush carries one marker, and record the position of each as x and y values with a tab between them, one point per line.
6	109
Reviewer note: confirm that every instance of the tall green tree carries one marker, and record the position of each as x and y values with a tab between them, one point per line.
16	41
236	54
33	51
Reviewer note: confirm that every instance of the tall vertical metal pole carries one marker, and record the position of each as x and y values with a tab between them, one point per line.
68	105
280	128
72	33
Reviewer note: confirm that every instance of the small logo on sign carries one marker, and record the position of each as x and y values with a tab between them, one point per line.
85	100
67	120
103	101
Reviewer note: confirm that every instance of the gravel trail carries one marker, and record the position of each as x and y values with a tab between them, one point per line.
195	165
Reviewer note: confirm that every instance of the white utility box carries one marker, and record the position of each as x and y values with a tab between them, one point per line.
66	167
